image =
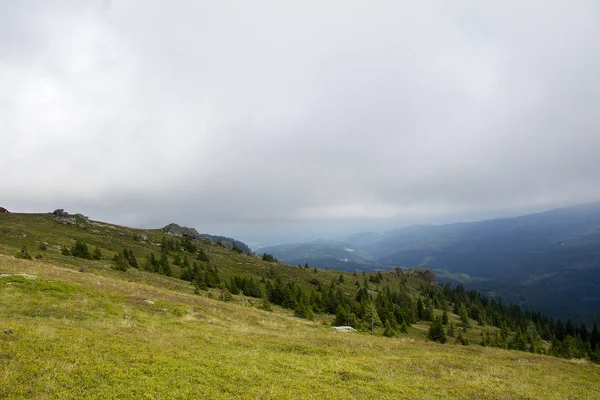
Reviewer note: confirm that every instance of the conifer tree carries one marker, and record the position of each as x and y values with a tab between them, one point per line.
445	318
436	331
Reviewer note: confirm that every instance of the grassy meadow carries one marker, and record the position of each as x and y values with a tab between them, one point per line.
105	334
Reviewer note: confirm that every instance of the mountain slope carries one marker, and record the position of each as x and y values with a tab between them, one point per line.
77	328
549	261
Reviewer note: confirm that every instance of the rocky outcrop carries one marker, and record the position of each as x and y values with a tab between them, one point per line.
225	242
422	273
176	230
3	210
61	215
226	245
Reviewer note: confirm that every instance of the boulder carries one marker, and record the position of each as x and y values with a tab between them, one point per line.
142	236
61	215
3	210
344	329
227	245
176	230
59	212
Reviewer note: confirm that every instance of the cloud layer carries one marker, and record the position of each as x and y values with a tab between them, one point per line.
257	113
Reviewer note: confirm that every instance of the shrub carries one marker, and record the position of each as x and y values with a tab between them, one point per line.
80	249
202	256
64	250
97	253
268	257
23	253
462	340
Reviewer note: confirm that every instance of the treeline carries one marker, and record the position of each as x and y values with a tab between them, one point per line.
390	307
518	329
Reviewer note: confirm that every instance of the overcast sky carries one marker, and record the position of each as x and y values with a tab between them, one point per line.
256	116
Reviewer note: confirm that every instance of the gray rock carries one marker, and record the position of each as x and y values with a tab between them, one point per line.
176	230
59	212
26	276
61	215
142	236
9	331
227	245
344	329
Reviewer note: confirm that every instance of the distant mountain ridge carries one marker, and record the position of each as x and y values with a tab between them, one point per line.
323	253
548	260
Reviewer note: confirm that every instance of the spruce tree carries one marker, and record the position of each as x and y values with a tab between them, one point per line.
451	329
445	318
436	331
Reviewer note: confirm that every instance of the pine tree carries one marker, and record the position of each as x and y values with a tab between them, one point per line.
464	316
436	331
445	318
371	316
404	327
177	260
451	329
120	261
202	256
389	330
266	305
595	337
518	342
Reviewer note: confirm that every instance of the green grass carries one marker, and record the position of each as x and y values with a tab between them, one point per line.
94	335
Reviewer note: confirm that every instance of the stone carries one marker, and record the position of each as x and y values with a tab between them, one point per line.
142	236
26	276
9	331
227	245
4	210
61	215
176	230
344	329
59	212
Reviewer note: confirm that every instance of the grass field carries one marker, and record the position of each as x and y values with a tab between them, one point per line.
106	334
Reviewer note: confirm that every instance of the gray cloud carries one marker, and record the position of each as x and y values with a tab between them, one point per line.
232	113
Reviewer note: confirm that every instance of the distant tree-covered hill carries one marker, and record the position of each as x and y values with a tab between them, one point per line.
322	253
549	261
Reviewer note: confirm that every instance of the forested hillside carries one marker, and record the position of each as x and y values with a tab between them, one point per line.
68	280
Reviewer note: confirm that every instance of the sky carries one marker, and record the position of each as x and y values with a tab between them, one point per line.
279	120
